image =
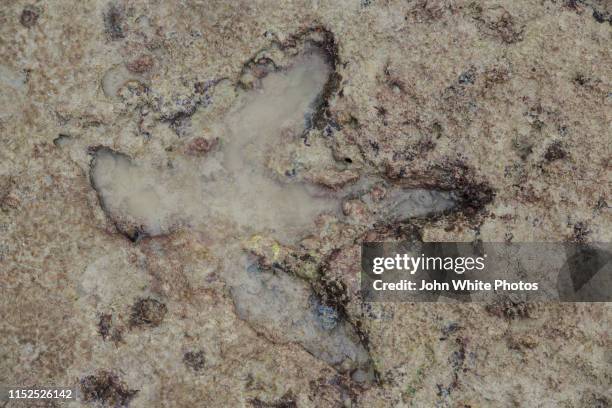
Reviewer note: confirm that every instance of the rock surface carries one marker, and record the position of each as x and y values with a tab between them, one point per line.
500	108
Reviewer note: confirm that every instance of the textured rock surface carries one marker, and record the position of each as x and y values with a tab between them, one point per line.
506	105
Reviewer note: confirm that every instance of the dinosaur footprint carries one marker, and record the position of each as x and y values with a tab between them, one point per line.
231	194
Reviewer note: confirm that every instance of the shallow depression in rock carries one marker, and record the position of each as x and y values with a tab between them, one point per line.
233	182
230	193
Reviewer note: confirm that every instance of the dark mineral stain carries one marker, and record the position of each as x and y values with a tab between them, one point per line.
200	146
594	400
509	309
332	293
375	146
114	22
104	325
381	111
581	79
581	231
426	144
140	65
601	9
555	152
107	330
601	203
29	17
107	389
468	77
523	147
147	312
602	17
179	120
194	360
507	29
473	197
437	129
572	4
449	329
457	357
202	87
286	401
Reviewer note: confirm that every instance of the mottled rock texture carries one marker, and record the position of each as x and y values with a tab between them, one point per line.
506	104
